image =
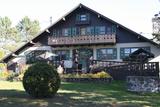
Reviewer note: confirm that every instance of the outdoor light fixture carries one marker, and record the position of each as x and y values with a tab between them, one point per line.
99	16
117	26
32	42
63	19
47	31
13	54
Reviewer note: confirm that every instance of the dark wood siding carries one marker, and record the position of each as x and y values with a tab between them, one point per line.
71	20
122	35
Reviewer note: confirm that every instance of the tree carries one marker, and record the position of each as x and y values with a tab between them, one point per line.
7	32
41	80
1	54
28	29
156	28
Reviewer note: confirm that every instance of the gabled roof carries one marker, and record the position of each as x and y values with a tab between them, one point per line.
140	55
142	51
10	56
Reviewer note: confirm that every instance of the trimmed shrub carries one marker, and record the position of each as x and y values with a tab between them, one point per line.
101	74
41	80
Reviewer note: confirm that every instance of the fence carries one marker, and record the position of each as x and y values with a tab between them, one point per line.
120	70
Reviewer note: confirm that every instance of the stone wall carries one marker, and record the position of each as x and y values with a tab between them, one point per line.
143	84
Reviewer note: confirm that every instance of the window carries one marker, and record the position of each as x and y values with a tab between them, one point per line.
109	30
62	55
83	17
100	30
107	54
67	32
58	33
74	31
124	52
90	31
54	32
110	51
83	31
133	49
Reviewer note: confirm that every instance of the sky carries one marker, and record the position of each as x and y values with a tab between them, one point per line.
135	14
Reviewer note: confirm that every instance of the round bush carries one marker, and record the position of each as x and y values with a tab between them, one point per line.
41	80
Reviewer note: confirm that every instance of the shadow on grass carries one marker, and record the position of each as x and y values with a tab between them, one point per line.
16	98
81	95
114	92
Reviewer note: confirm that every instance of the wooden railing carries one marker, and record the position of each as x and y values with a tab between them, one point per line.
134	69
103	63
87	39
120	70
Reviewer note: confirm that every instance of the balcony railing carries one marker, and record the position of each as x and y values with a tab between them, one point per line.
89	39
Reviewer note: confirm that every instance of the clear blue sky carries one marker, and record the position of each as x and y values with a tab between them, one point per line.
134	14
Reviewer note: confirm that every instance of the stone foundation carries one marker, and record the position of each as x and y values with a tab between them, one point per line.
143	84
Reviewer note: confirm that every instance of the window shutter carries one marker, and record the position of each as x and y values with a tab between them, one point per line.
121	53
77	17
58	33
69	31
96	30
54	33
92	30
114	53
88	16
63	32
77	31
73	31
113	29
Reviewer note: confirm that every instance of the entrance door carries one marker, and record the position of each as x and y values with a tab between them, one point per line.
83	57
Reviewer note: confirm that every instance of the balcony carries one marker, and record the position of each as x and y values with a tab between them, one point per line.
82	40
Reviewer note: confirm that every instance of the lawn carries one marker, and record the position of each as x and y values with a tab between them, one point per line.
12	94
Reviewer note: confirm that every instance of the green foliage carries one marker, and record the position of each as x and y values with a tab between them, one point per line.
12	36
101	74
156	36
17	76
10	47
4	75
1	54
12	76
28	28
41	80
6	30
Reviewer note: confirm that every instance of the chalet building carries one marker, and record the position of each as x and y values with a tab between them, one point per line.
87	33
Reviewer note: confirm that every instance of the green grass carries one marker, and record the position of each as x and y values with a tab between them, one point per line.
12	94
